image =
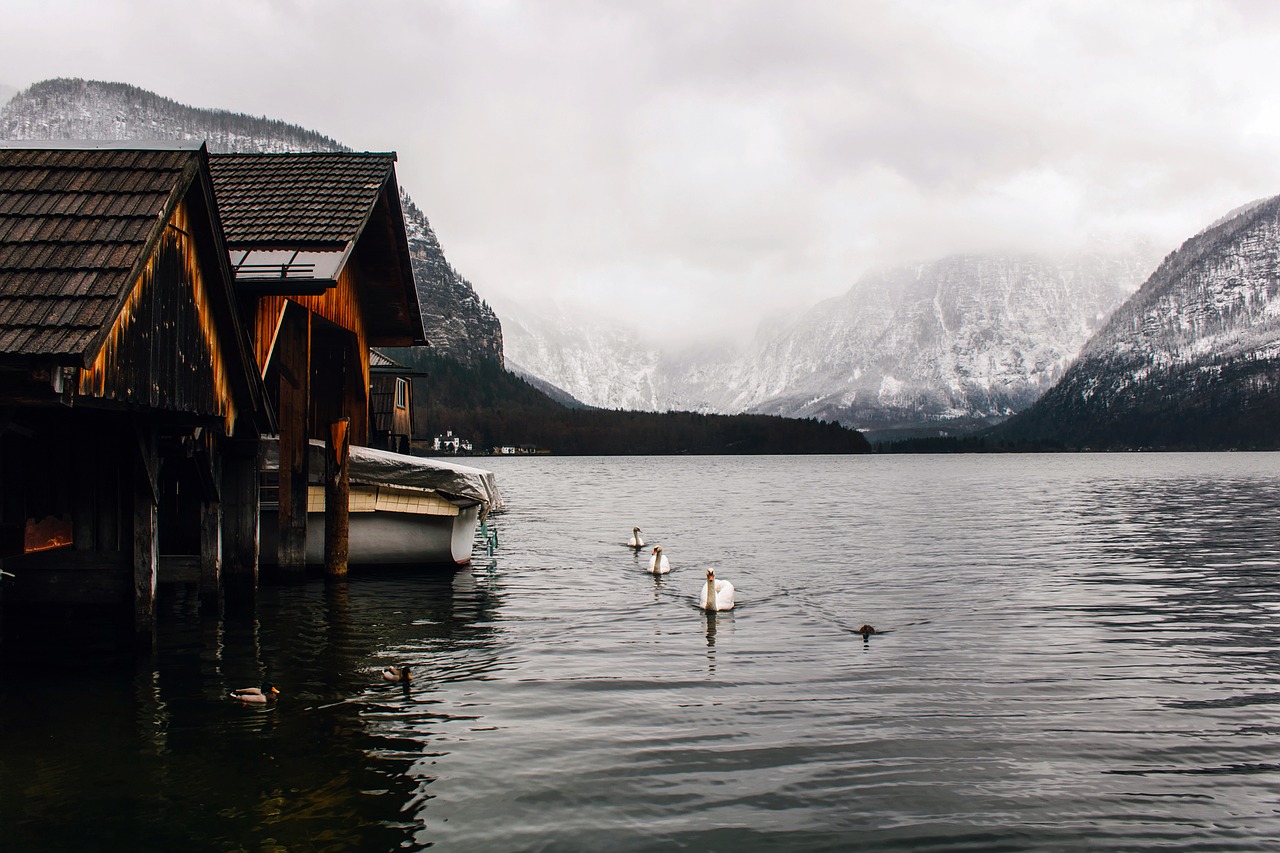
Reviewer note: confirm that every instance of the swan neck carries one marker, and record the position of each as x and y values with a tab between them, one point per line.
711	595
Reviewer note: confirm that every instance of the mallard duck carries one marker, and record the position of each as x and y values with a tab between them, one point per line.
397	673
715	595
658	563
635	541
866	631
256	695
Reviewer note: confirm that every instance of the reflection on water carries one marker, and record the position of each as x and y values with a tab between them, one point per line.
160	757
1077	653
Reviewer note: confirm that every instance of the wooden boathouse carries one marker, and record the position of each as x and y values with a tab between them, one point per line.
129	396
161	310
318	250
397	416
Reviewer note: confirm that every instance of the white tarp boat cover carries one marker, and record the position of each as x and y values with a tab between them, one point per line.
384	468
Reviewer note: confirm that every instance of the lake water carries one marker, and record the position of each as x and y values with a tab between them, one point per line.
1080	652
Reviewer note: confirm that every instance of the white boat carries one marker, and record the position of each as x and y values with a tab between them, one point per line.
403	510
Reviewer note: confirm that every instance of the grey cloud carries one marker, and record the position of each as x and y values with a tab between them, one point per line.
685	156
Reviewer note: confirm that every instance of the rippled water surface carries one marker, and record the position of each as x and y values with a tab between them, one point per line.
1080	652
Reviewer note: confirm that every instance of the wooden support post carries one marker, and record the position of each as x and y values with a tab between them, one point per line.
209	465
146	545
337	493
210	551
294	349
240	502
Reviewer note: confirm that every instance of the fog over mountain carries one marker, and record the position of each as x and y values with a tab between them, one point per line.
961	341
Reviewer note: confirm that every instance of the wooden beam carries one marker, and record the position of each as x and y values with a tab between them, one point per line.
149	459
240	503
293	351
145	542
285	286
210	552
337	493
180	568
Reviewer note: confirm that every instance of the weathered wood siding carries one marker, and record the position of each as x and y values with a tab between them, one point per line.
390	424
340	305
164	350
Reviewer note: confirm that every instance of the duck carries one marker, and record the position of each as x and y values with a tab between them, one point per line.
866	631
635	541
658	564
256	695
715	595
397	673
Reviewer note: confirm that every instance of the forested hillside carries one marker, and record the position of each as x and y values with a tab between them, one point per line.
1192	361
492	407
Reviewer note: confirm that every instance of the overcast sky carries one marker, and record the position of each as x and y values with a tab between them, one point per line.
690	163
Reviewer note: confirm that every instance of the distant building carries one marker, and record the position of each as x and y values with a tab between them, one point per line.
393	413
450	443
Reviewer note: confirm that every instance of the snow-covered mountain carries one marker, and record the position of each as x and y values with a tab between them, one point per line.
603	364
959	339
967	338
458	322
1192	360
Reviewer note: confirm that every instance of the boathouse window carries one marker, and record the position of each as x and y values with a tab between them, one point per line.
402	393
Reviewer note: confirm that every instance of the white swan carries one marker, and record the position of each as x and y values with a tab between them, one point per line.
715	595
635	541
658	564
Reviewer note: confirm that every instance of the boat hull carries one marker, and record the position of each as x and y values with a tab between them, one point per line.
384	538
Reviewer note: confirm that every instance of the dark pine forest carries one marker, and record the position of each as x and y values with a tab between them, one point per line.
492	407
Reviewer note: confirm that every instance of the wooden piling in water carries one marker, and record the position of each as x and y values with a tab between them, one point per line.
294	348
337	493
146	545
240	506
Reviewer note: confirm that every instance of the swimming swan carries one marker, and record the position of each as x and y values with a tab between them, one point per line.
658	564
715	595
635	541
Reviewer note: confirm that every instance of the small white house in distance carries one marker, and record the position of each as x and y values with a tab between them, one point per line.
450	443
505	450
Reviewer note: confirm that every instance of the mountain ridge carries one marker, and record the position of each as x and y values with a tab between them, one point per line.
456	320
1191	361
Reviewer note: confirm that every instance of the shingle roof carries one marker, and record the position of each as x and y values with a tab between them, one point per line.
73	226
293	199
378	358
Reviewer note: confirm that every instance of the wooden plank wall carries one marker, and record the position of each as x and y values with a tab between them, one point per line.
164	350
340	305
